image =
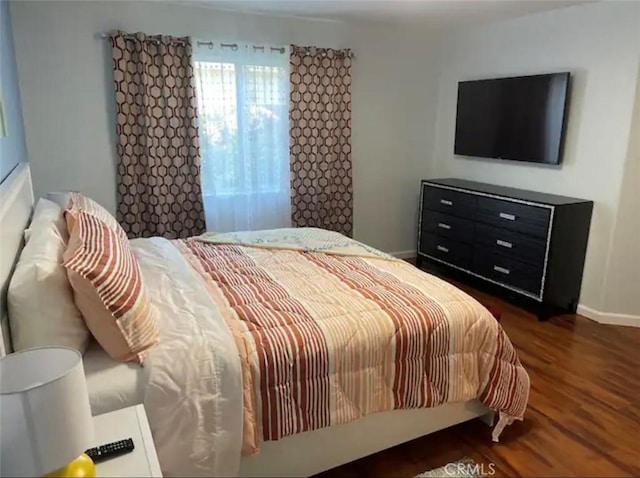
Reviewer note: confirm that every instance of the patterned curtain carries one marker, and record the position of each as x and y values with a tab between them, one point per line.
320	143
159	170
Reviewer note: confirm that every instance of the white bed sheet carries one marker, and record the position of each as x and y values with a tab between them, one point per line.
112	385
193	393
190	384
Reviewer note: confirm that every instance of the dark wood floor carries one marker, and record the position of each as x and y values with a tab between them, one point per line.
583	417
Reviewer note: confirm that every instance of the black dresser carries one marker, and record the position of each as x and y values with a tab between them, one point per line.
530	245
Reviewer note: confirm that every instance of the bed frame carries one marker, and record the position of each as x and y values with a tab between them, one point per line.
16	206
316	451
304	454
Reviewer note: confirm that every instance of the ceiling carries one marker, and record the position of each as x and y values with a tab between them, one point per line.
432	13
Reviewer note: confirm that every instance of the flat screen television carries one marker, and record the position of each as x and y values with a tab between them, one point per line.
519	118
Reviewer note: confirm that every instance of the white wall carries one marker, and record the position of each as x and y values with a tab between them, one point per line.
600	45
12	146
65	76
622	285
404	97
395	94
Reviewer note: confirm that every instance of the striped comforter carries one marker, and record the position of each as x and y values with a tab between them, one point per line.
327	337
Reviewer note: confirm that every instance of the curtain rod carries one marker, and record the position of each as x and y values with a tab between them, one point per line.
210	44
281	49
314	50
151	38
235	47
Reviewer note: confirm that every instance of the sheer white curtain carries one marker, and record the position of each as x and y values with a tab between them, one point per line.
243	111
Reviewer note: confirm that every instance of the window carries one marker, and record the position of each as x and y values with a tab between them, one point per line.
243	109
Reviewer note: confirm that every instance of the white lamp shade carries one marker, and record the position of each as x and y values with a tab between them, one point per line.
45	417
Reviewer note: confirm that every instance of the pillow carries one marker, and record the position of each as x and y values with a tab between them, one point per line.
61	198
40	299
108	287
78	202
47	212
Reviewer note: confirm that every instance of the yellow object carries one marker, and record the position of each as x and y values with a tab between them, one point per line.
78	468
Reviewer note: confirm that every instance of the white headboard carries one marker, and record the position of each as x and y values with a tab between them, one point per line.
16	206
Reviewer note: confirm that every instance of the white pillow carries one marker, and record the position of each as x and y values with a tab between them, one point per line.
61	198
40	299
47	211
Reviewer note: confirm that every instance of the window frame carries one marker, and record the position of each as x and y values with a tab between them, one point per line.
266	59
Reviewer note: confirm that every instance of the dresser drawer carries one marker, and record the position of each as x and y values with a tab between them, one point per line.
447	201
448	226
529	220
506	270
452	252
511	244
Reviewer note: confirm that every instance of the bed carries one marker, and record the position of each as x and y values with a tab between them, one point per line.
207	415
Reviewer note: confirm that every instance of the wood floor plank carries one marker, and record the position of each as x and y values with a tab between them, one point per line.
583	417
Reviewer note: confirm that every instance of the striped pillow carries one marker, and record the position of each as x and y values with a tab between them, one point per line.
79	202
108	289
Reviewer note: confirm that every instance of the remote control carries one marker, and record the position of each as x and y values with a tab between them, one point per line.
110	450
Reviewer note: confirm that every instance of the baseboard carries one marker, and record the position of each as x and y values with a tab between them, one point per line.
609	317
404	254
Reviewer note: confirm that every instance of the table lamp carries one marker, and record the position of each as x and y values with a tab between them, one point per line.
45	417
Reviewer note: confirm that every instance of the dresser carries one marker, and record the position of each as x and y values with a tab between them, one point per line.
527	244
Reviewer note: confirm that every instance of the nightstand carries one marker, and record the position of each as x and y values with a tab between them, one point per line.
129	422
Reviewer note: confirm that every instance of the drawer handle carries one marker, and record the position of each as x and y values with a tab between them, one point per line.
442	248
442	225
504	243
501	269
446	202
509	217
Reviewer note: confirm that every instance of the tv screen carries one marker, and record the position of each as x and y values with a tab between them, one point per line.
518	118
